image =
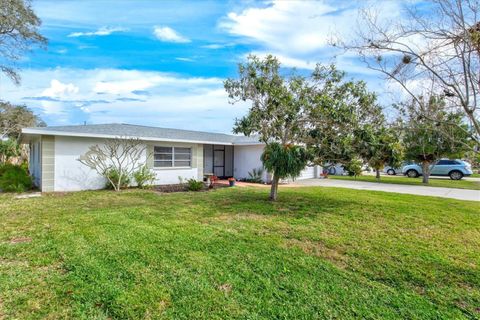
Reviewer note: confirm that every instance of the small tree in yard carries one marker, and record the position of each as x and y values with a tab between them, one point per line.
427	141
277	114
379	146
116	160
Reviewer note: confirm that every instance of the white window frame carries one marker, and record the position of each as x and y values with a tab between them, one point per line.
173	157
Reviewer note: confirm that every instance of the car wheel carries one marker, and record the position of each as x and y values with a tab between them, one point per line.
412	173
391	172
455	175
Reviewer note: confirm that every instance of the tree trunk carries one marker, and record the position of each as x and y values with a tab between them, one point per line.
377	175
426	171
274	188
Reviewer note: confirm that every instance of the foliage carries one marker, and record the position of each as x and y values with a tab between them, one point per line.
426	54
285	161
379	146
14	178
144	177
426	141
18	34
317	253
255	176
278	104
116	159
116	179
194	185
338	110
353	167
14	117
9	149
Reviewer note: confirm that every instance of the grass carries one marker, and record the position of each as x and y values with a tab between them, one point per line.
230	253
433	182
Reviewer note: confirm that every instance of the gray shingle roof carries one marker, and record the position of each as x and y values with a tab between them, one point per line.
121	129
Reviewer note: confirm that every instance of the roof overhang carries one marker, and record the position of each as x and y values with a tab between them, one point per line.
28	133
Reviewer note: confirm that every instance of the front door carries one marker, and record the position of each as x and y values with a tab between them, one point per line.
219	161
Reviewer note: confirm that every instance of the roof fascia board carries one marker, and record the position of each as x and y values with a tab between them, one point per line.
108	136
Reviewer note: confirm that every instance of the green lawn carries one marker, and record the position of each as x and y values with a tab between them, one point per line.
230	253
434	182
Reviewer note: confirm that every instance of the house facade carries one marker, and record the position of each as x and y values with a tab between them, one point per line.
170	153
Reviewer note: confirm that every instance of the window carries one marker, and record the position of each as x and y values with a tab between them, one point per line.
447	162
167	157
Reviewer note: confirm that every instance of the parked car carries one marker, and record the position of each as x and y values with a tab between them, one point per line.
391	171
455	169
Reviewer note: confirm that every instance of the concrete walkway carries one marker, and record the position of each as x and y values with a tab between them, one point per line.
460	194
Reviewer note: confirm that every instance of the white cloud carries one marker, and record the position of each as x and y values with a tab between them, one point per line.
71	96
59	90
119	87
299	32
217	45
103	31
184	59
167	34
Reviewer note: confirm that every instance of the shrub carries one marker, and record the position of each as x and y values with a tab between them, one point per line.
194	185
255	176
354	168
14	178
114	178
144	177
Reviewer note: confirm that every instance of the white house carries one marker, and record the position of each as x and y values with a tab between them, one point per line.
54	154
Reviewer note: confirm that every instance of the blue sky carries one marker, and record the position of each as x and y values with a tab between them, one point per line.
162	63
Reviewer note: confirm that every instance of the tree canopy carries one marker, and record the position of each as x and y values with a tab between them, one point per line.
13	118
433	50
426	141
276	115
300	119
18	34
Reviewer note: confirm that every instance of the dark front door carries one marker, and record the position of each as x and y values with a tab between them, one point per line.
219	161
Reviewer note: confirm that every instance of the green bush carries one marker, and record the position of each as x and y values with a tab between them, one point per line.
255	176
354	167
14	178
113	174
194	185
144	177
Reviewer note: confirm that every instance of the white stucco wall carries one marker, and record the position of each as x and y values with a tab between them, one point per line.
247	158
71	175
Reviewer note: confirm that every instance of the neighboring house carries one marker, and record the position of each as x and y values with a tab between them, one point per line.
54	154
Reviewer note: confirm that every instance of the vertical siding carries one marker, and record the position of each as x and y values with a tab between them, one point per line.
198	159
149	151
48	163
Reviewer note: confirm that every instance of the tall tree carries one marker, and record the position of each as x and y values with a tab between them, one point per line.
427	140
18	34
13	118
433	49
277	114
339	108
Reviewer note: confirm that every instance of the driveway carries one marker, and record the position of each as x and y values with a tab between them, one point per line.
460	194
